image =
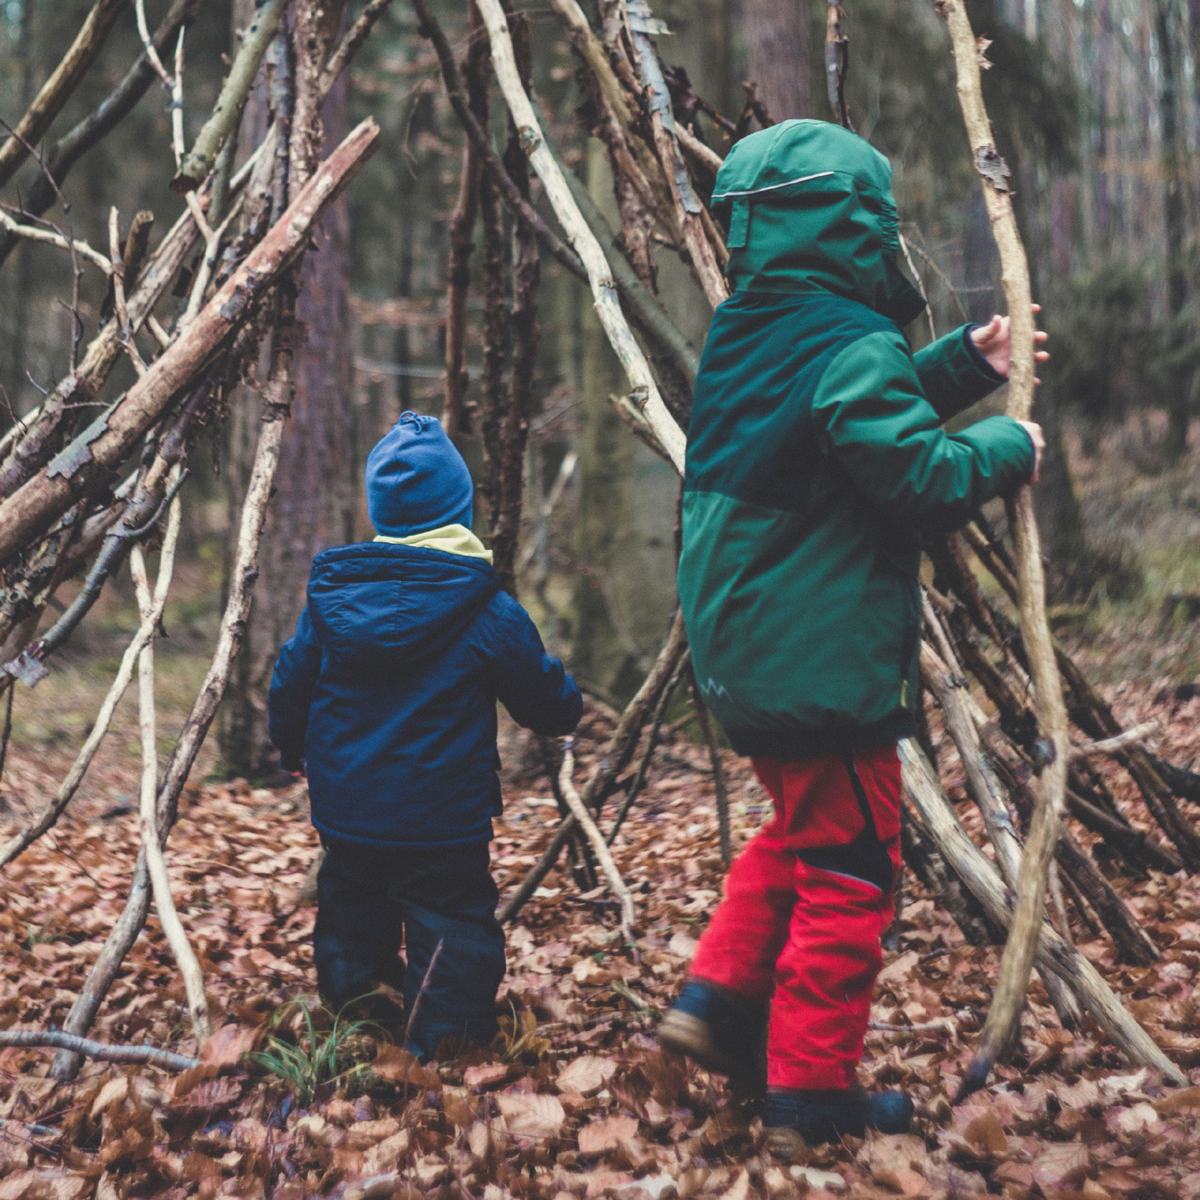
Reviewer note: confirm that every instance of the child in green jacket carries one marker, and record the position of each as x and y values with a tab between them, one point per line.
816	459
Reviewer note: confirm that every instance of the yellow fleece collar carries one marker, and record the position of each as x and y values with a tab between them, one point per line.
450	539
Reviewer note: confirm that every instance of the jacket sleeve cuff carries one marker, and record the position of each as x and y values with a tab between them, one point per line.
1010	449
953	374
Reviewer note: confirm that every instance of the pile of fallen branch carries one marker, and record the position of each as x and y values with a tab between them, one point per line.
977	663
64	501
87	476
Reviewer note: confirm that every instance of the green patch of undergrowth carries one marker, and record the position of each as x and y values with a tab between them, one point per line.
311	1047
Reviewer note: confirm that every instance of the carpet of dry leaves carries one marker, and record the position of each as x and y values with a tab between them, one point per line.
575	1099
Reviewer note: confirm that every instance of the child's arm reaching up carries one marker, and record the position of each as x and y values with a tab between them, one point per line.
535	688
961	368
296	673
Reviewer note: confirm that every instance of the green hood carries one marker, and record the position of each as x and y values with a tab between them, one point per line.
809	207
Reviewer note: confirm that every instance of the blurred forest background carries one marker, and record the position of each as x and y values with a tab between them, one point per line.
1097	111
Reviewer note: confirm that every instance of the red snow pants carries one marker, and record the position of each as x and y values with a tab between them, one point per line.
805	905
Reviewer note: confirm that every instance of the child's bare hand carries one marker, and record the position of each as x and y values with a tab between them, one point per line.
1039	446
993	341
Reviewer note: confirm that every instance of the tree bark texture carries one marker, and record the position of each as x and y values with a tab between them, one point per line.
777	37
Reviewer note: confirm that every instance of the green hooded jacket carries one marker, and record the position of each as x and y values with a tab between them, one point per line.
816	455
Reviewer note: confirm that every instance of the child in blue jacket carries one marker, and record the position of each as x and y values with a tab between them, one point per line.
387	694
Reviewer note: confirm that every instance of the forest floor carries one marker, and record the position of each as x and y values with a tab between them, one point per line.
575	1099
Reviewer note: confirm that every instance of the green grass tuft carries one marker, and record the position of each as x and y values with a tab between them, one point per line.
310	1057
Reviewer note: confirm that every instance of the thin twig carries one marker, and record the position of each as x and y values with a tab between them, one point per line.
151	607
596	841
412	1014
1114	745
48	238
355	36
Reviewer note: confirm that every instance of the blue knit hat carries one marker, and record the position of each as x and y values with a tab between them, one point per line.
417	480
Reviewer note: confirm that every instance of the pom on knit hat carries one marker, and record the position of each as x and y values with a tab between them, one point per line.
416	479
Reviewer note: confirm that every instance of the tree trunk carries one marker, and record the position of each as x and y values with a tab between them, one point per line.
316	485
625	587
1174	217
777	55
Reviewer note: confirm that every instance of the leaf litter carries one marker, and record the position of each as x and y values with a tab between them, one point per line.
574	1100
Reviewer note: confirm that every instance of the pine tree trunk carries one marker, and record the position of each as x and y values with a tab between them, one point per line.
316	484
777	55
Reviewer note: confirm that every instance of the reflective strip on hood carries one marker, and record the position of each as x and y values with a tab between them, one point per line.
773	186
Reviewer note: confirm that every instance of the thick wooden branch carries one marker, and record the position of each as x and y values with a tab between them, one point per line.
97	451
228	109
956	703
642	306
1052	714
229	639
688	208
579	234
461	236
58	88
1099	716
1107	747
56	1039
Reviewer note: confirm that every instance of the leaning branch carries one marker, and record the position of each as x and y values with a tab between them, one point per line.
579	234
596	841
1046	825
229	639
151	606
228	110
1052	952
355	36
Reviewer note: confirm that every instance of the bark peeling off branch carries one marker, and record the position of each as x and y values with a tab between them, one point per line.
101	447
1052	714
608	309
58	88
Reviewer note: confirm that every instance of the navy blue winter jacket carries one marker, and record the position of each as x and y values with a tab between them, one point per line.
388	689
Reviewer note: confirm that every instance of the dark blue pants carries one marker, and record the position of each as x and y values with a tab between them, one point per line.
372	899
